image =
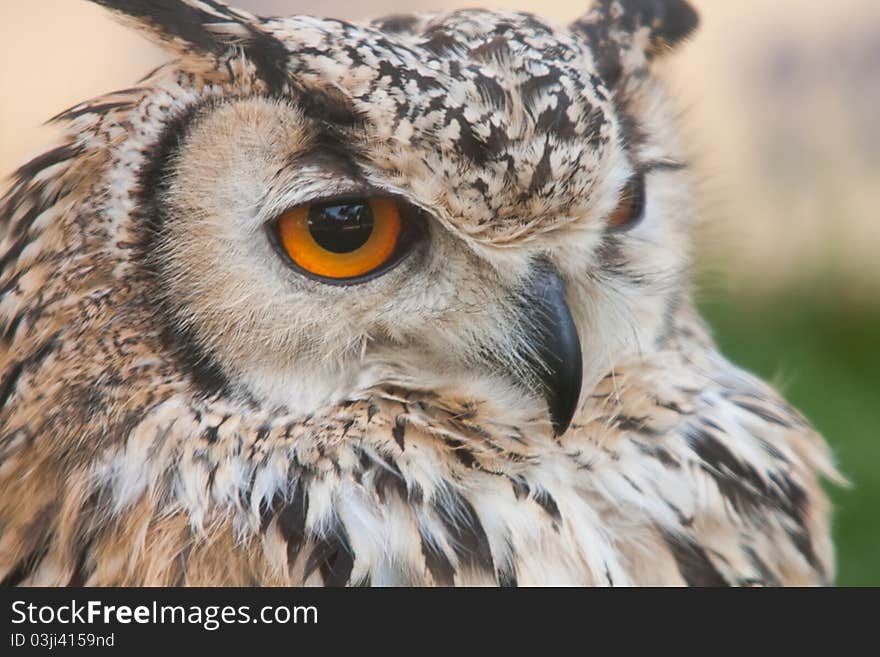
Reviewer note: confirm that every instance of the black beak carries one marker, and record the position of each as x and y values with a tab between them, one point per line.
555	362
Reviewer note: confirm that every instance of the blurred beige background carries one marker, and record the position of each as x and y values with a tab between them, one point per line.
780	102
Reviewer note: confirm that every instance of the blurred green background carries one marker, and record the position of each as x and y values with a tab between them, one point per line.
779	107
820	348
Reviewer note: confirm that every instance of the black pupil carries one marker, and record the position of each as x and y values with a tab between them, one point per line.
341	227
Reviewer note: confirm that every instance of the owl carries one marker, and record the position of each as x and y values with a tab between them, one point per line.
394	303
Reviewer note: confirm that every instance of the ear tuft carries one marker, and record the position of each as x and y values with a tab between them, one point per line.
204	26
617	28
671	21
182	24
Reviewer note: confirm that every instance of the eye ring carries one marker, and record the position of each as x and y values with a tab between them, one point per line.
346	240
631	208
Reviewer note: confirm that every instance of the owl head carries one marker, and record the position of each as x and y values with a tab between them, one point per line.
297	209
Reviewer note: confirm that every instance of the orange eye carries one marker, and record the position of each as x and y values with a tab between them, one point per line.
631	206
341	239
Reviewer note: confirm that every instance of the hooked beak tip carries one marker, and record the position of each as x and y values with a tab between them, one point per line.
559	366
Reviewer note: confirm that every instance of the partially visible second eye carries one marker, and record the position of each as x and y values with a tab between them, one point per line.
631	208
344	241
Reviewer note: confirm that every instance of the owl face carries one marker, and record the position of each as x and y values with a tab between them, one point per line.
474	200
